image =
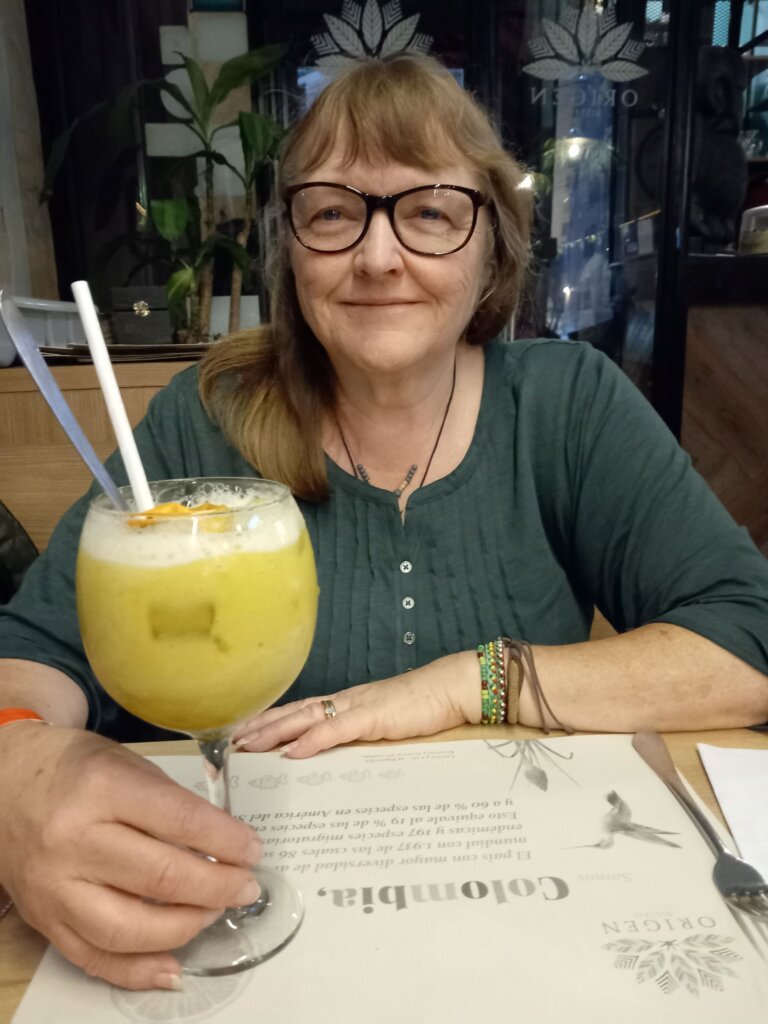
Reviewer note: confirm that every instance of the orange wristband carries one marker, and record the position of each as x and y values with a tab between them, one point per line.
10	715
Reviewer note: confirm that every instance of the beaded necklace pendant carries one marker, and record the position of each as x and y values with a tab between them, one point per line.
408	477
362	472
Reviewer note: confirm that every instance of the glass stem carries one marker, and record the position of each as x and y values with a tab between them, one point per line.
215	753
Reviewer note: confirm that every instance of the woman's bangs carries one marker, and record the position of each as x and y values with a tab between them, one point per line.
377	129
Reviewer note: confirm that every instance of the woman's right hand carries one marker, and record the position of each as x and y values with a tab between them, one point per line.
437	696
100	851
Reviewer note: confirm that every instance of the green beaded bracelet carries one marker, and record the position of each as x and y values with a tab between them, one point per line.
493	682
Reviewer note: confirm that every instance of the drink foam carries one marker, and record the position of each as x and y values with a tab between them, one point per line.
170	541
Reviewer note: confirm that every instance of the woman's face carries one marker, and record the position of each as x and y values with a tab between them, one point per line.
378	307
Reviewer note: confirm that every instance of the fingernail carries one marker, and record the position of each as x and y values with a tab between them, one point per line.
253	853
289	747
245	740
172	982
249	893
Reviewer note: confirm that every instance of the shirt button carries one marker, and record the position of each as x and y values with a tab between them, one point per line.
408	602
409	638
405	567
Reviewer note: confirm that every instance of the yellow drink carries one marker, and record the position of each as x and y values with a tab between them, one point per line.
193	629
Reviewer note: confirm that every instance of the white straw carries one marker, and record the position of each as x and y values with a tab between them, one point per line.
112	397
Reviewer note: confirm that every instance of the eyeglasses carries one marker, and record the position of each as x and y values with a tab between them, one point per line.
431	220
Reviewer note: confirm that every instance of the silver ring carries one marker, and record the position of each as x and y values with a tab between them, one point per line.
329	708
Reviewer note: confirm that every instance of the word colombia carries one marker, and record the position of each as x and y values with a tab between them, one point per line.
586	42
403	897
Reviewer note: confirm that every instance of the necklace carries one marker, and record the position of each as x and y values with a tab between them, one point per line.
361	473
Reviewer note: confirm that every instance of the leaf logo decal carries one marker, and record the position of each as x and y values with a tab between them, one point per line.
373	25
587	33
586	40
367	31
561	40
612	42
694	963
345	36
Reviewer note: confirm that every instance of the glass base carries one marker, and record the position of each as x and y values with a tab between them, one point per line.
246	936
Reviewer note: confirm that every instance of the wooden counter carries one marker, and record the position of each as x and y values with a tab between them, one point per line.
41	474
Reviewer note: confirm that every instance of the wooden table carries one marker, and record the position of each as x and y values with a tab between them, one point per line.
21	948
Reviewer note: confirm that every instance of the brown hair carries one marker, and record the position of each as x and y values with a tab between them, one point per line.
270	387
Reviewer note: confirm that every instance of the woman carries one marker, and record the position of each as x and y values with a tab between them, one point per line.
455	490
399	394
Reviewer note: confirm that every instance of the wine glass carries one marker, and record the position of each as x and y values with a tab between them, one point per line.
194	616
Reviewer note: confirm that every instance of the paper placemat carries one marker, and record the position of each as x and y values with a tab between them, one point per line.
542	880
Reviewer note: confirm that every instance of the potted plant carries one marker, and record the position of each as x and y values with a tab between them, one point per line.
181	231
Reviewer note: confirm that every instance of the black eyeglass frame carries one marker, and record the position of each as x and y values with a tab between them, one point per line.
374	203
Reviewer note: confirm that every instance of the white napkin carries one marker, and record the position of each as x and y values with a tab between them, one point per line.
740	780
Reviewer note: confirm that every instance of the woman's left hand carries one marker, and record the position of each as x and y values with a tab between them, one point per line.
438	696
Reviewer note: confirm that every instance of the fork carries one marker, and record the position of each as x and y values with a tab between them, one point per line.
738	882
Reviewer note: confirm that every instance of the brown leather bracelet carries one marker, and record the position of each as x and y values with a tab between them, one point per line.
521	656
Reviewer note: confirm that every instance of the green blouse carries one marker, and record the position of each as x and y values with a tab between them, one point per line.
572	494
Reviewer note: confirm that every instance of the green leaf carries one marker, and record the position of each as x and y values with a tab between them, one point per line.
59	151
203	154
120	130
260	136
221	244
175	93
200	91
221	127
121	124
218	158
179	285
222	160
170	217
248	67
